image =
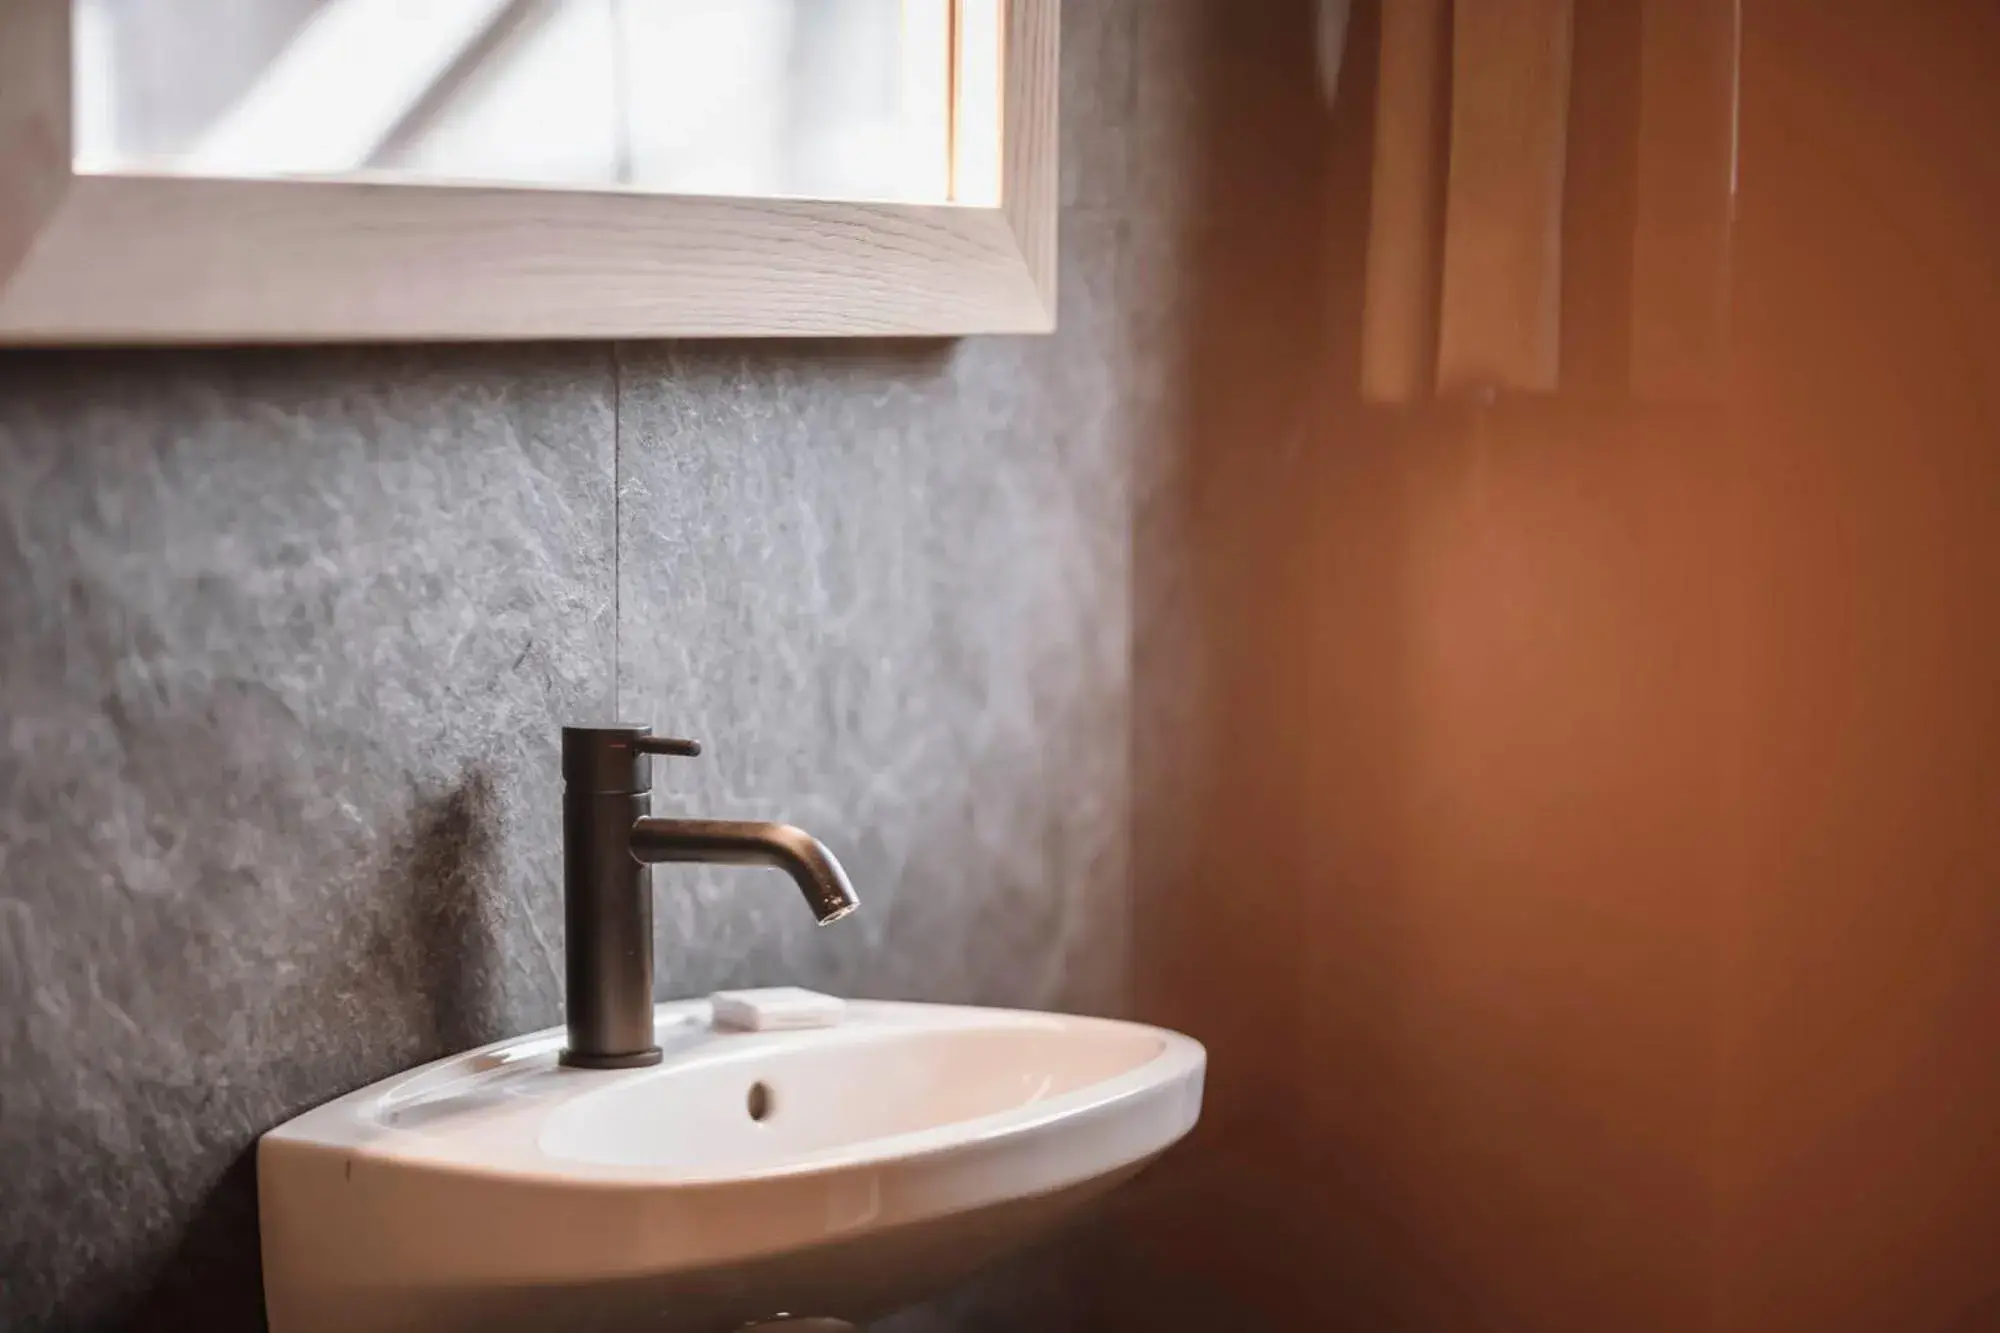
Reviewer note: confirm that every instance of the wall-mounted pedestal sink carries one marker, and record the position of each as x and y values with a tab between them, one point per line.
841	1171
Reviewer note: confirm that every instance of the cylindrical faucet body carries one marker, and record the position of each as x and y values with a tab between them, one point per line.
607	900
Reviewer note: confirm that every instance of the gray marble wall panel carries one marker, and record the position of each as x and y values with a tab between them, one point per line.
893	602
285	639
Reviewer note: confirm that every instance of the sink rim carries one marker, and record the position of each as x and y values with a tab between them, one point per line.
509	1147
351	1211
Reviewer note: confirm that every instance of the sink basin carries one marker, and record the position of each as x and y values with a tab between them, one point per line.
835	1172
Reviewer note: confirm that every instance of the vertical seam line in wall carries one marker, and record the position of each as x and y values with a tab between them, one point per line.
617	527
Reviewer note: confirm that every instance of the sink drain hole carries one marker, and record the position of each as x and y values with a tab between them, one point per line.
760	1102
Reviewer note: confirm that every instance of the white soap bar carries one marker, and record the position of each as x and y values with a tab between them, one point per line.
776	1009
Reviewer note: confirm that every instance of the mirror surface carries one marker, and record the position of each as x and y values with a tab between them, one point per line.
895	100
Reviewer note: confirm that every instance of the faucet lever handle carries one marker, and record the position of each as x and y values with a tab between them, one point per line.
666	745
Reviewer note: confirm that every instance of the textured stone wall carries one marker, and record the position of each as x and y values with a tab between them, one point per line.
286	638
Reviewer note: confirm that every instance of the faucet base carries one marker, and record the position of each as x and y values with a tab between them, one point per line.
629	1060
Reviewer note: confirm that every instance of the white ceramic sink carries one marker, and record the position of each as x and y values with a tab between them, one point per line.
840	1171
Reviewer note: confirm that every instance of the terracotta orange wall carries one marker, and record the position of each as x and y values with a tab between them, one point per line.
1862	1034
1594	910
1510	963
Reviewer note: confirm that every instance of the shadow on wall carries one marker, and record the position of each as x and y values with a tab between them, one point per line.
452	866
1591	908
1212	1237
445	875
1459	680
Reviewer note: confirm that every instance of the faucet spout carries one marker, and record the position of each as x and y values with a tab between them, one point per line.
812	867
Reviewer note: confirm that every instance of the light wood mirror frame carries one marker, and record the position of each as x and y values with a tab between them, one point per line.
171	259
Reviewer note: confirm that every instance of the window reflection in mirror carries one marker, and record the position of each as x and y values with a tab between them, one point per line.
841	99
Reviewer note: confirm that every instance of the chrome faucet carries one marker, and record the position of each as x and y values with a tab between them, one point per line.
611	840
